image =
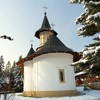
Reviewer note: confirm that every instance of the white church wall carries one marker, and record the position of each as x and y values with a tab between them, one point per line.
70	78
28	83
46	72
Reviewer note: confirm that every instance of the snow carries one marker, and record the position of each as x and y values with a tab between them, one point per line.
87	52
89	95
75	1
72	1
80	61
80	73
97	49
91	50
94	16
94	2
99	36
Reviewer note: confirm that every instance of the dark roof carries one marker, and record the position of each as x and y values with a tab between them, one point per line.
31	51
45	27
53	44
45	23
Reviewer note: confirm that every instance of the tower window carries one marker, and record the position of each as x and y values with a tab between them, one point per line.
61	75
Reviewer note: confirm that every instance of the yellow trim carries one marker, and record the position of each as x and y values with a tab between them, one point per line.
50	93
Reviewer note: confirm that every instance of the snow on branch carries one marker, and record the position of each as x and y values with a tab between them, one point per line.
88	30
81	61
81	19
97	49
87	52
76	1
73	1
94	18
91	3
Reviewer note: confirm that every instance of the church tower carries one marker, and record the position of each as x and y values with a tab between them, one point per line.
45	31
48	71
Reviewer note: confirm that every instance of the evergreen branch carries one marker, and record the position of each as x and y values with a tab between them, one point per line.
6	37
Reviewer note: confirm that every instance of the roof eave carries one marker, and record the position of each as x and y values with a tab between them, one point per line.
37	34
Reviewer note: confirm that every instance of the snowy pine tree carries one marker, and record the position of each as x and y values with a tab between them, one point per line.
1	63
16	78
8	75
1	72
90	21
8	70
2	75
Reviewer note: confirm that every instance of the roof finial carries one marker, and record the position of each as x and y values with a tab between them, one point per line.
52	24
31	43
45	13
45	7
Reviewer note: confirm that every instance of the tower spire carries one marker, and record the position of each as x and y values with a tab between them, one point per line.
45	31
45	13
45	23
31	51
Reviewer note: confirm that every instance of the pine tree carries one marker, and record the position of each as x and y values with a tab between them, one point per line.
2	75
8	75
8	68
16	78
1	63
90	21
1	71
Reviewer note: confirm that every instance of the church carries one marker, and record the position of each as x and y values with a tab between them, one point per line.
48	71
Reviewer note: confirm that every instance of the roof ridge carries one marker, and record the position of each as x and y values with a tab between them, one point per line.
54	44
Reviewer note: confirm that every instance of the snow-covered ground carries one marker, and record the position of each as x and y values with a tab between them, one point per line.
89	95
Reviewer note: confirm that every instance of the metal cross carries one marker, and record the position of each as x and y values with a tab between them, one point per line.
52	24
45	7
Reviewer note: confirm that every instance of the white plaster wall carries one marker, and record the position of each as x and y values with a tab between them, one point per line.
28	82
46	74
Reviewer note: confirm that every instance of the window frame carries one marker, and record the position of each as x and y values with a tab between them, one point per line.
62	75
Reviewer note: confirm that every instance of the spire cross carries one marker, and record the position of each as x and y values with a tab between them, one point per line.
52	24
45	7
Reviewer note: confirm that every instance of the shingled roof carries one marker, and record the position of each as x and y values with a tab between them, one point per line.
45	27
31	51
45	23
54	44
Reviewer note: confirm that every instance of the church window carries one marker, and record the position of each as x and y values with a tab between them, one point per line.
61	75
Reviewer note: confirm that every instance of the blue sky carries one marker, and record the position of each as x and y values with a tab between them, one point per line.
20	19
